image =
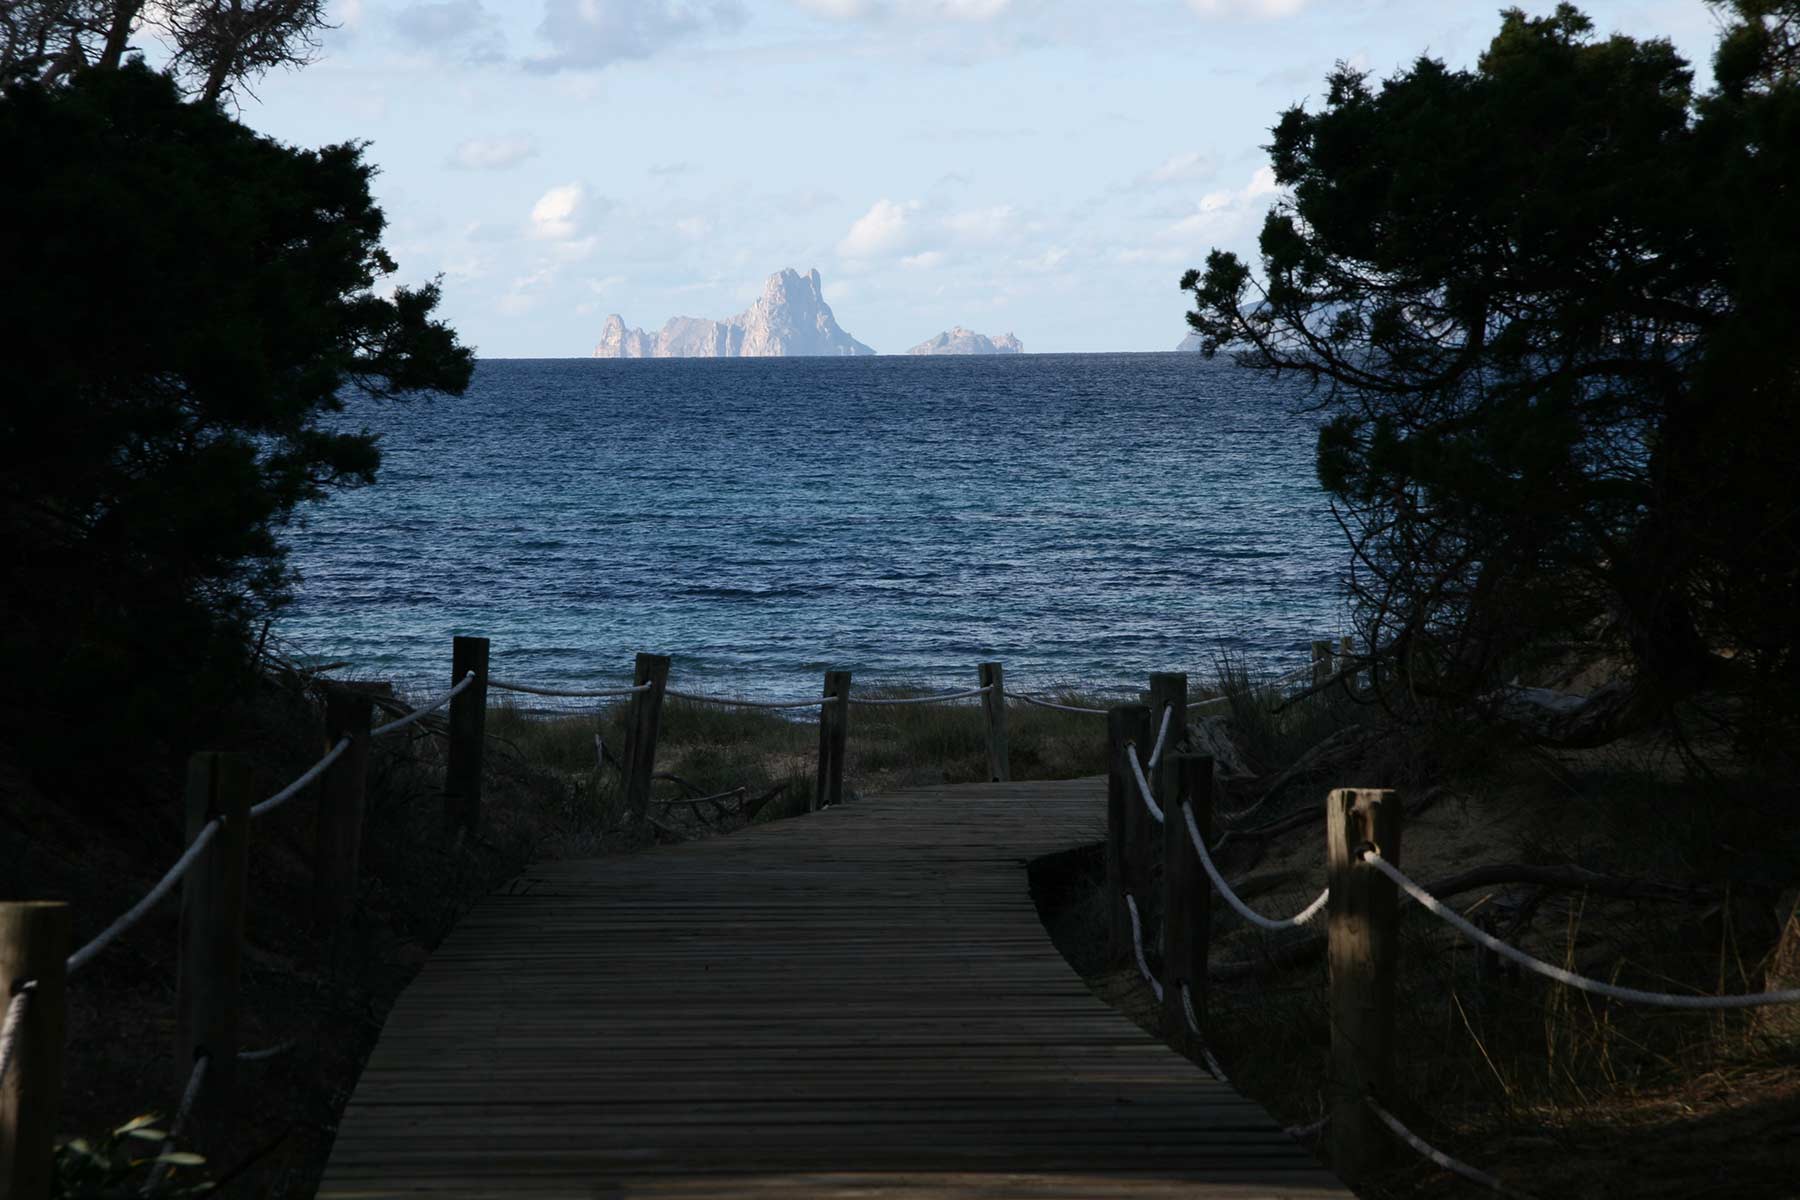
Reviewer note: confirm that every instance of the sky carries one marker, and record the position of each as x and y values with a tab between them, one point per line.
1047	168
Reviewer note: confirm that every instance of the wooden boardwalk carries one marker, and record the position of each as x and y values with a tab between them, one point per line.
860	1003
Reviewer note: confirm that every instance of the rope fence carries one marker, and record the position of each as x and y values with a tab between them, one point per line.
1454	1165
1362	937
220	814
464	685
9	1027
735	702
1582	983
299	785
535	690
135	913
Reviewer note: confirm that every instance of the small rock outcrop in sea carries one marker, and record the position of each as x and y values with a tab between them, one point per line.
1190	342
790	319
958	340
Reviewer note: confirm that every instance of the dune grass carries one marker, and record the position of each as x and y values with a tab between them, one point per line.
705	749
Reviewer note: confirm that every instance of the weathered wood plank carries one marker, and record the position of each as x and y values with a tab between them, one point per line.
857	1003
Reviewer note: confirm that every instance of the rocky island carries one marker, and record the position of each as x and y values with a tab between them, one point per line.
789	319
958	340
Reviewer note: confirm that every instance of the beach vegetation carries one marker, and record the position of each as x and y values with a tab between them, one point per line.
189	304
1546	304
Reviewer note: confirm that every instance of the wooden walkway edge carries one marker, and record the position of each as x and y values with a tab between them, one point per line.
858	1003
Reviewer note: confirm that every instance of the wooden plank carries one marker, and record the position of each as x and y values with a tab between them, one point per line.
861	1002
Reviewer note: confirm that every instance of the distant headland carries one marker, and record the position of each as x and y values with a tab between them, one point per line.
789	319
957	340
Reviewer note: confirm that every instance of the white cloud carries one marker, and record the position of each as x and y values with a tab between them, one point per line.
493	154
923	262
556	215
1227	217
1262	10
595	33
693	228
884	229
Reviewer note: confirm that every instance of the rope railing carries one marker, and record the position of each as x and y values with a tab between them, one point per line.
1453	1165
9	1027
532	689
1193	1024
1069	708
276	1051
1143	784
228	812
1137	947
1304	916
735	702
939	699
161	1171
1162	739
1597	987
135	913
299	785
462	686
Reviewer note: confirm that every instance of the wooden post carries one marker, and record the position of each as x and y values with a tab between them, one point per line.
641	727
1167	688
34	941
1126	864
993	705
212	925
1363	950
1321	662
834	733
1187	893
349	710
468	733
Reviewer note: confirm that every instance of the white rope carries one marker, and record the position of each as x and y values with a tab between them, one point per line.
1093	712
1162	737
1187	1007
293	789
731	702
1580	982
1224	889
86	954
980	691
1143	783
1137	945
271	1052
533	690
410	717
1438	1156
1306	1133
181	1115
9	1029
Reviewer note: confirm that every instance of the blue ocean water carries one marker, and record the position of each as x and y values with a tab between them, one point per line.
1085	519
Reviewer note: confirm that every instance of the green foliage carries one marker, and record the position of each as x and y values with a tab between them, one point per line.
121	1162
186	300
1547	305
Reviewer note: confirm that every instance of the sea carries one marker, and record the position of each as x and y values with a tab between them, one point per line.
1085	519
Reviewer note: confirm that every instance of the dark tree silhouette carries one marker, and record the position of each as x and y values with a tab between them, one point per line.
185	300
1549	306
214	46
